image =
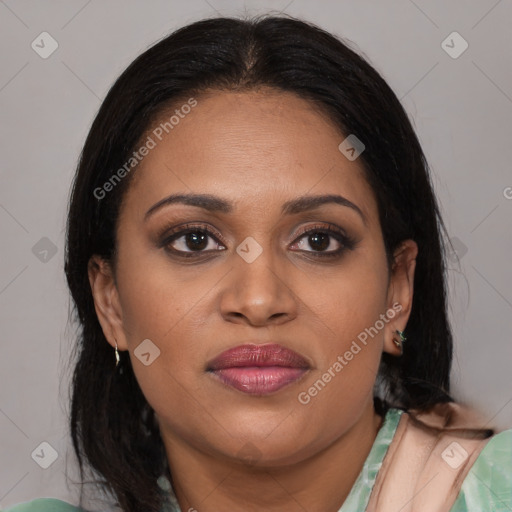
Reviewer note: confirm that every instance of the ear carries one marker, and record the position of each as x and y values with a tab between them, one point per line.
106	301
400	293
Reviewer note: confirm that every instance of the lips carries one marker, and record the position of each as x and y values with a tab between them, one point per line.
258	369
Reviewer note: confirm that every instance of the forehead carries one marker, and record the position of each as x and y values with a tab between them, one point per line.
253	148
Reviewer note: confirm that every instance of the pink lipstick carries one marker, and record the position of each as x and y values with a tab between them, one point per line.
258	369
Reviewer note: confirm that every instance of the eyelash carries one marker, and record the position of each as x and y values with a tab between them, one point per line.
347	242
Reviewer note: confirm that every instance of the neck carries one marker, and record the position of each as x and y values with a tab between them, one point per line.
322	482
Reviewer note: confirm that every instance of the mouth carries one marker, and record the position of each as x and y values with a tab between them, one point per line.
258	369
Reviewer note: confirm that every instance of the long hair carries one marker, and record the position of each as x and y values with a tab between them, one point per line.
113	427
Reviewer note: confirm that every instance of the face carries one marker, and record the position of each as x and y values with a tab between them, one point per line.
255	266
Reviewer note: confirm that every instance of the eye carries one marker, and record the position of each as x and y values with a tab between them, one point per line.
325	241
192	239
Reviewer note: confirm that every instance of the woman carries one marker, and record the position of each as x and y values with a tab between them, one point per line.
250	221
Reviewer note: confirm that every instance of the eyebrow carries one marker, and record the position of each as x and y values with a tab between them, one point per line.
217	204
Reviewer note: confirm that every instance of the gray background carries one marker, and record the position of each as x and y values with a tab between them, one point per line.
461	108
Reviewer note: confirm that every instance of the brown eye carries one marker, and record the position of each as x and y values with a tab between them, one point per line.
191	239
195	240
324	242
319	241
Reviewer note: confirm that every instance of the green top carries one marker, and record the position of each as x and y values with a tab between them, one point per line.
487	486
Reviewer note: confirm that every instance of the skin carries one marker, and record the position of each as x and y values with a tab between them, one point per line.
257	150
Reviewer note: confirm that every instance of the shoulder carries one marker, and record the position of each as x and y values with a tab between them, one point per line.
44	505
489	481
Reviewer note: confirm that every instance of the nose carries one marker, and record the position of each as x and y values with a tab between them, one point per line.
258	293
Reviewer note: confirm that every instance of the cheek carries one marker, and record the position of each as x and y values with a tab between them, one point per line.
156	298
163	316
352	301
167	307
349	312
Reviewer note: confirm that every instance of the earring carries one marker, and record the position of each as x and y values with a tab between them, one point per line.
117	354
399	344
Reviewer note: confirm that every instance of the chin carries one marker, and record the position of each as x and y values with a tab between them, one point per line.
267	451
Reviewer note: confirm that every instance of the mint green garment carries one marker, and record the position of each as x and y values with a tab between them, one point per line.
44	505
487	487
